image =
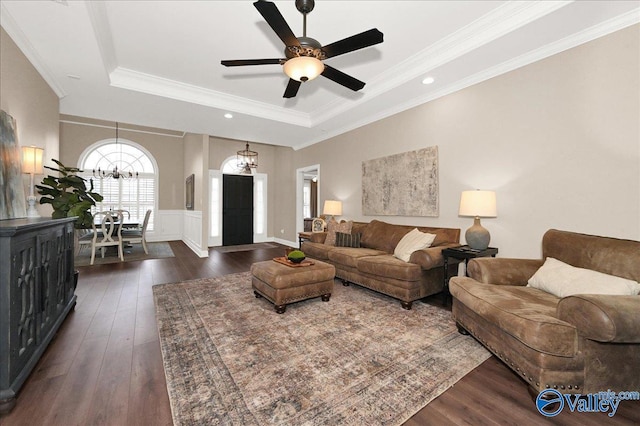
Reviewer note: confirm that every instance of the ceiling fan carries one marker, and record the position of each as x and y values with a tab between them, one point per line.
304	55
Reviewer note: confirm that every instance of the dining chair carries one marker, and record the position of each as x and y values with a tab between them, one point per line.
106	232
138	235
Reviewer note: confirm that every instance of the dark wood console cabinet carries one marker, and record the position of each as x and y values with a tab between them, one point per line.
37	291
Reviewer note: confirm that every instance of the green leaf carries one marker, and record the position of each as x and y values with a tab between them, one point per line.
68	194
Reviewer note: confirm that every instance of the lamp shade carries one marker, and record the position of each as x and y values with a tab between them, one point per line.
303	68
478	203
332	207
32	160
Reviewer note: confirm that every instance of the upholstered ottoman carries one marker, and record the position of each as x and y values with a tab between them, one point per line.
282	284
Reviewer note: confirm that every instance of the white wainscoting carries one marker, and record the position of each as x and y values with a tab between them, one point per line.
167	225
186	226
179	225
192	235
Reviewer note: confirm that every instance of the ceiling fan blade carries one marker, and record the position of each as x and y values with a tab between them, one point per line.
242	62
274	18
342	78
292	88
349	44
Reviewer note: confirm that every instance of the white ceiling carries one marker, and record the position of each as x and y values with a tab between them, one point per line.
157	63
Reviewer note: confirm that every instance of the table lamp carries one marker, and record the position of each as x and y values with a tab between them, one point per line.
32	164
332	208
478	204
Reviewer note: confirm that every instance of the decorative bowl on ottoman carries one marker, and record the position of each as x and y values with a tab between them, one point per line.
296	256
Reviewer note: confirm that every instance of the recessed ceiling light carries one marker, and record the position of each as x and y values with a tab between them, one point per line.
73	76
228	115
428	80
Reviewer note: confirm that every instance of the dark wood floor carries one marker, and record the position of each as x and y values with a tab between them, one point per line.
105	366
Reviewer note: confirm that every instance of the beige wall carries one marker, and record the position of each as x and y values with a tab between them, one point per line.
193	164
559	140
284	217
76	134
29	99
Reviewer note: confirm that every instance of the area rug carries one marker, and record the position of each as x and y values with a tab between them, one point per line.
244	247
359	359
135	252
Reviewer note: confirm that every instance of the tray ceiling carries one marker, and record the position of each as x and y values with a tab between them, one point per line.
157	63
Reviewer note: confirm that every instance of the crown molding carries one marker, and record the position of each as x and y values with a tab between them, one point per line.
495	24
168	133
27	49
600	30
502	20
151	84
146	83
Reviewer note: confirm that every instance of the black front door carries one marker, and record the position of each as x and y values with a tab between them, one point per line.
237	210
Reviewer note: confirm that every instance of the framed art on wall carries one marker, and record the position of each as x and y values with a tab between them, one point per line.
403	184
189	192
13	203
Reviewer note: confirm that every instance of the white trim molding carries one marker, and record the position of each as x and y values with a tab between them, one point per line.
293	244
125	78
192	232
167	226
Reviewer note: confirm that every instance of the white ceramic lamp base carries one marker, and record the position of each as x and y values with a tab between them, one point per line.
31	209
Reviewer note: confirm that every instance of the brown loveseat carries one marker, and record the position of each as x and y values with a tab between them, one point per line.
374	266
582	343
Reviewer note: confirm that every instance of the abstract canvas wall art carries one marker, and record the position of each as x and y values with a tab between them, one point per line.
13	203
402	184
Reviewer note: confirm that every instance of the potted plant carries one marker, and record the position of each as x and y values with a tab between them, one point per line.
68	195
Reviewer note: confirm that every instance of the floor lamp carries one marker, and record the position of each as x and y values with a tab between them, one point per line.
32	164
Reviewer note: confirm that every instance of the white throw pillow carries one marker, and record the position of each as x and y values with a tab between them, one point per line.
563	280
412	241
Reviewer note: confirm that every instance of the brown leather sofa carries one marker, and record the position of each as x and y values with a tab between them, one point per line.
374	266
577	344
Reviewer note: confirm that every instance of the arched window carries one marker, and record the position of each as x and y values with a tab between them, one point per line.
230	167
135	195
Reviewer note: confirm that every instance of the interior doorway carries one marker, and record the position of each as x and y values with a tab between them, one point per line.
307	195
237	210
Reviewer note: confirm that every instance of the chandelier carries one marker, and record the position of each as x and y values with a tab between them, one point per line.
247	159
115	173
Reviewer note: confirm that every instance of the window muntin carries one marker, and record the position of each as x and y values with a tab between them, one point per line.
134	195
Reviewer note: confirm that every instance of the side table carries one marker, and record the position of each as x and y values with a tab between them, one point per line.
302	236
462	253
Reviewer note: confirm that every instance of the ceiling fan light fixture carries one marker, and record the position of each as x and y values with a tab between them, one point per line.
303	68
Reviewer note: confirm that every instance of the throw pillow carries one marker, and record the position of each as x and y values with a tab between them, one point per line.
414	240
348	240
561	280
333	227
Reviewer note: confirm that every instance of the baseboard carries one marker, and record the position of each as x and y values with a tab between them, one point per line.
195	248
285	242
